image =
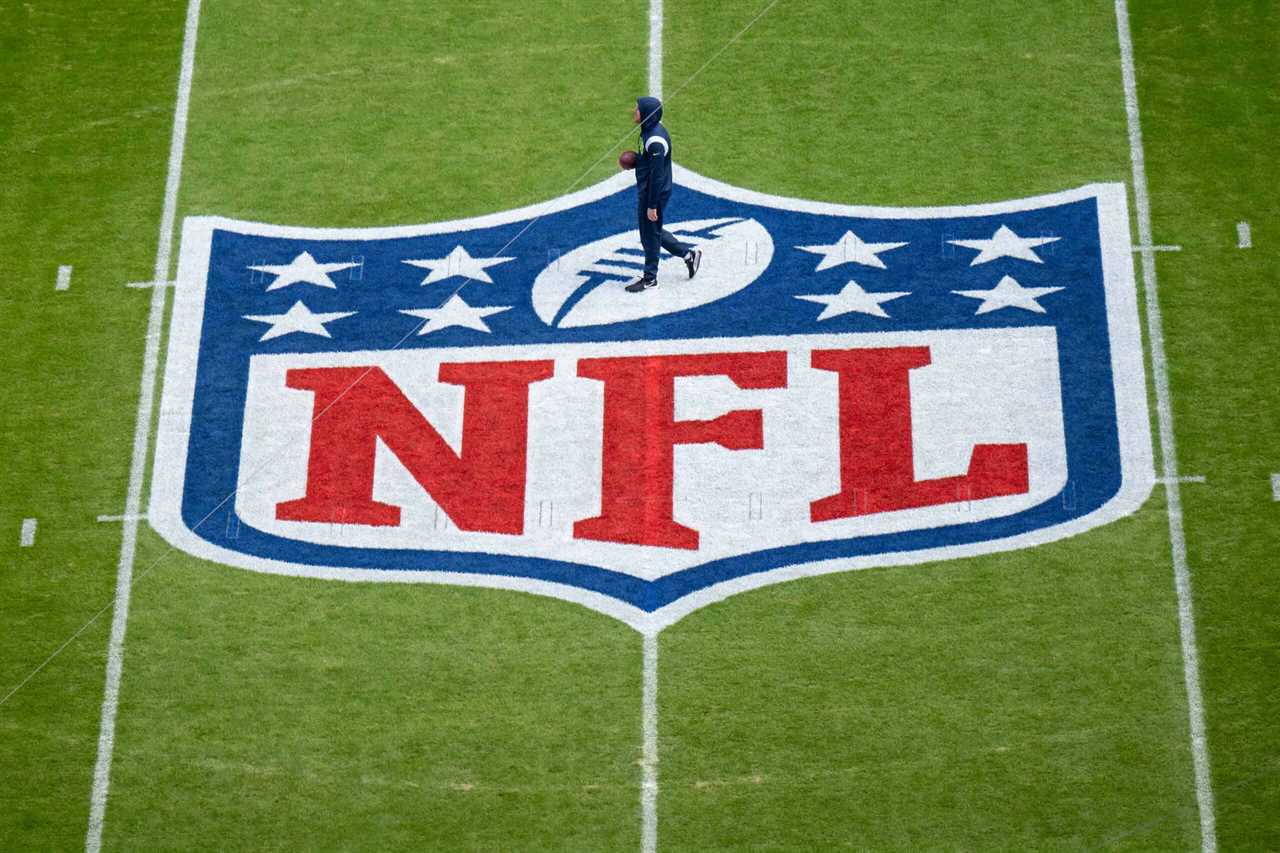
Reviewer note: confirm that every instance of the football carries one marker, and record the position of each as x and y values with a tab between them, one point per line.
585	286
627	159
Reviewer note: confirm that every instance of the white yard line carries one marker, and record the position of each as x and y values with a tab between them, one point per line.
27	537
649	692
141	442
1169	456
655	48
64	278
1149	248
1244	236
1275	487
649	760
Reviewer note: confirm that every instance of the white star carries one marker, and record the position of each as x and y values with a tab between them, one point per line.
1009	294
299	318
302	270
1005	244
851	298
457	263
850	249
455	312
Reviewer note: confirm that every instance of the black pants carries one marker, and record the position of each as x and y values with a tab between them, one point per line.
652	236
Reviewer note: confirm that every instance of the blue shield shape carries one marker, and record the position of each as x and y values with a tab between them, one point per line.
481	402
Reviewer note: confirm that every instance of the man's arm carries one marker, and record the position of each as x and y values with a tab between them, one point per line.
659	169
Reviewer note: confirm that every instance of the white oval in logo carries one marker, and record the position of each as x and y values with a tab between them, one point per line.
585	287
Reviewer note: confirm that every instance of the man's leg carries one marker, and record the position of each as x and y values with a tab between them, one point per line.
651	239
672	245
692	257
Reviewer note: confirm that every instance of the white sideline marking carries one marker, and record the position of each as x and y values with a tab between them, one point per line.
1196	478
64	278
28	536
1149	248
655	48
1169	456
142	517
141	441
143	285
1244	236
1275	487
649	761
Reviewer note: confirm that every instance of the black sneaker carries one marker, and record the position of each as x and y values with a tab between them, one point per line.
642	283
693	260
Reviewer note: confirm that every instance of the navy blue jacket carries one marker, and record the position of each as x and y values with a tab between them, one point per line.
653	166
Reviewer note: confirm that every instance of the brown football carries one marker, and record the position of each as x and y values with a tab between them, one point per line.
627	159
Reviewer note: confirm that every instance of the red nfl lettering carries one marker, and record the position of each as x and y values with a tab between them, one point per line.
641	432
482	488
876	469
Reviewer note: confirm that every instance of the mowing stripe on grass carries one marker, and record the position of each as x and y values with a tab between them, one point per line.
730	43
64	278
1244	236
27	538
1168	452
141	442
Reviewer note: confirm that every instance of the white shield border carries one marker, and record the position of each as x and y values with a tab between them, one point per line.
1127	363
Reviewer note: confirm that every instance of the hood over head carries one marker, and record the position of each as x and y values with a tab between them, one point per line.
650	112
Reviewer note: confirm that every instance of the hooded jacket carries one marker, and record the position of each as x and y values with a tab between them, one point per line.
653	166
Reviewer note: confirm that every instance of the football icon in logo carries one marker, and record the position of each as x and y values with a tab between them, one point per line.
585	287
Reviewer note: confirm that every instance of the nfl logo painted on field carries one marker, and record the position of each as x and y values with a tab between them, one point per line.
481	403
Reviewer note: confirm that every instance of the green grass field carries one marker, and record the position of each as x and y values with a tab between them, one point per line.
1031	700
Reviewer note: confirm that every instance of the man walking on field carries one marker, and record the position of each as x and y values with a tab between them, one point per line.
653	188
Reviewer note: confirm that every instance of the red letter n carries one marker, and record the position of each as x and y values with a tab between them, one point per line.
481	488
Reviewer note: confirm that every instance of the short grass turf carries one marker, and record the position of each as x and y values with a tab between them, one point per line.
1211	111
416	717
1031	700
84	120
1019	701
